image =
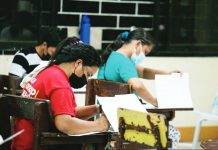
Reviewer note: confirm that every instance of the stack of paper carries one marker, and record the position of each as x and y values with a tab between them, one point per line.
111	104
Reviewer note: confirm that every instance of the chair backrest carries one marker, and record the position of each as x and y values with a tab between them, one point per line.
147	129
10	84
104	88
36	110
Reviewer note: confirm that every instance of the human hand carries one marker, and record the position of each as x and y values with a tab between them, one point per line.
176	71
103	123
155	102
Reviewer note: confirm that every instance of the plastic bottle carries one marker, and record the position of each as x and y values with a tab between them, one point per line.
85	29
215	104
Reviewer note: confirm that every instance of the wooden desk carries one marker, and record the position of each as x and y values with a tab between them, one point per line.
169	113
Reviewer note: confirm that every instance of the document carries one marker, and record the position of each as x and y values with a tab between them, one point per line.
111	104
173	91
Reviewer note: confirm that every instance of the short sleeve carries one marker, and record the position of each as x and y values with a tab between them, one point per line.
19	66
63	102
100	74
127	71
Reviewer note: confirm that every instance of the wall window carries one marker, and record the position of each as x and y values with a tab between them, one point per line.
192	28
180	27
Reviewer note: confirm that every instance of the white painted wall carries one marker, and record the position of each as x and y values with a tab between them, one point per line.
203	75
5	63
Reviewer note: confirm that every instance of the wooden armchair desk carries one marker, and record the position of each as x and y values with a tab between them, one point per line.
107	88
45	134
10	85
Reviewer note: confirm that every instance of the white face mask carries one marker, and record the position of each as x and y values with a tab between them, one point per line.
137	59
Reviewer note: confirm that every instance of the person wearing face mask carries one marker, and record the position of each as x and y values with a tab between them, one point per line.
53	81
121	59
120	63
26	59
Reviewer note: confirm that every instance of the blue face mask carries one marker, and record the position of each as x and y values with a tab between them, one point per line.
137	59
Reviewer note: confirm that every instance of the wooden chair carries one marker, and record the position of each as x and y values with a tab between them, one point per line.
45	135
108	88
10	84
104	88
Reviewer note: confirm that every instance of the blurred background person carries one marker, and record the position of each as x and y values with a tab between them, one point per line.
19	29
27	59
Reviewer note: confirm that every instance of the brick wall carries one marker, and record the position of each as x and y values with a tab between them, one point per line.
108	17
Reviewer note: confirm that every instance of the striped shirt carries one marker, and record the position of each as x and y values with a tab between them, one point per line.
24	62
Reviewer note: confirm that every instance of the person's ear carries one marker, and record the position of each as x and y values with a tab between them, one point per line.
138	46
45	44
78	62
139	43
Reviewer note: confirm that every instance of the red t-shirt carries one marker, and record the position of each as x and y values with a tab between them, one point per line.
52	84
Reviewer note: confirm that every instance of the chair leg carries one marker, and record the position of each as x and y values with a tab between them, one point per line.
197	132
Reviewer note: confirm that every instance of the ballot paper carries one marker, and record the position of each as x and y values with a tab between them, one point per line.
10	138
173	91
111	104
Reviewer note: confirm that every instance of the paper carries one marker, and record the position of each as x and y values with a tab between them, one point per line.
89	133
173	91
80	90
111	104
10	137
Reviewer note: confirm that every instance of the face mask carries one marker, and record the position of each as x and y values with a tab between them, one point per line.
137	59
77	82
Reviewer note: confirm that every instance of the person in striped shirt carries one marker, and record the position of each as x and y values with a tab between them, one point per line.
27	59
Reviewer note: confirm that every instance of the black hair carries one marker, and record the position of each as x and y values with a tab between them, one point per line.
49	35
127	37
72	49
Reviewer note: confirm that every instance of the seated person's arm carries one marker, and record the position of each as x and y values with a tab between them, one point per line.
141	90
86	112
149	73
19	66
72	125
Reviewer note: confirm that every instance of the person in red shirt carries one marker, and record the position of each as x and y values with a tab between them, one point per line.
72	58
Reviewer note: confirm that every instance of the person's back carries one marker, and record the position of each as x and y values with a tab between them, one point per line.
45	86
115	69
24	62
